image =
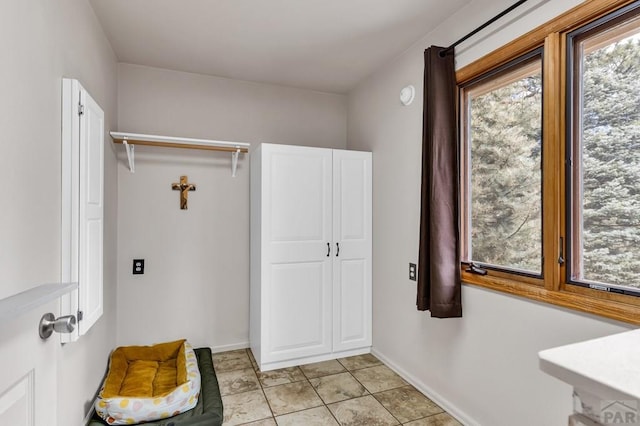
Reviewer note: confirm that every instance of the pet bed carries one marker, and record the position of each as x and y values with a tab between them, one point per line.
207	412
147	383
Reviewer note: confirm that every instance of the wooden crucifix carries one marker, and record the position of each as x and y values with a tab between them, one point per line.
184	187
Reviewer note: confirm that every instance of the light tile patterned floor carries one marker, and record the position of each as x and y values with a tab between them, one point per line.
354	391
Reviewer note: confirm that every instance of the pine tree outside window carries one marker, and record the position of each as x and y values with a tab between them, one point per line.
604	149
502	154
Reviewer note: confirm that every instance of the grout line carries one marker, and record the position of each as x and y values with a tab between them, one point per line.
360	383
267	401
374	397
331	412
382	405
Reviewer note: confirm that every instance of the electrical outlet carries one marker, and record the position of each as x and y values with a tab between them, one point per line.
138	266
412	271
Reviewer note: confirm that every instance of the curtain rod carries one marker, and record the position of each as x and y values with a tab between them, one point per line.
450	49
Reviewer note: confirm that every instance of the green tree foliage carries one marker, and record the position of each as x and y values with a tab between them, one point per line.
505	175
611	164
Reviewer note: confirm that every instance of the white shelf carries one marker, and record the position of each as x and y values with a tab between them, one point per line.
129	139
18	304
175	142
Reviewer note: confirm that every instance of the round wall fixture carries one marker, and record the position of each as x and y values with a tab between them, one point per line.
407	94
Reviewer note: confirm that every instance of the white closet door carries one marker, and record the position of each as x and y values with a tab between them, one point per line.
296	279
91	212
82	206
352	264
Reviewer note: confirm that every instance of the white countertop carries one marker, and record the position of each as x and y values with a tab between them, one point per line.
608	367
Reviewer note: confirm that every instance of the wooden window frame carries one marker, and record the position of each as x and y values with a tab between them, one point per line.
508	73
617	26
554	290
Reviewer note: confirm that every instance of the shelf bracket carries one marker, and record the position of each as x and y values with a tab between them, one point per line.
130	155
234	161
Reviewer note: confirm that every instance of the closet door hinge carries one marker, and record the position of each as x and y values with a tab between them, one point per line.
80	109
79	316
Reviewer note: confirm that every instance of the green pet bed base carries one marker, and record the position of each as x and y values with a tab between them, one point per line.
208	410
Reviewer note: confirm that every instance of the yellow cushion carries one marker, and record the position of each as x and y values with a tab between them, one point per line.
146	371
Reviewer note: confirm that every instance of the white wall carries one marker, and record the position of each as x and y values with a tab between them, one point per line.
41	42
196	283
482	367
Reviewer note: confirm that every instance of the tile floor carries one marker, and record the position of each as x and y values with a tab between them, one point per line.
354	391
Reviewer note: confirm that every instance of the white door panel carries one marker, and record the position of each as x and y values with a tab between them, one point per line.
16	403
91	212
296	309
352	227
296	204
298	198
352	311
82	205
28	387
352	179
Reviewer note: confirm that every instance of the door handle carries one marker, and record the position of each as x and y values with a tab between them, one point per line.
49	323
328	249
337	249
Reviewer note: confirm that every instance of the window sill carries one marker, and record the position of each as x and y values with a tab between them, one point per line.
601	306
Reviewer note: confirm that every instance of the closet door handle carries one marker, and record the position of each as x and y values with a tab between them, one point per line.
337	249
328	249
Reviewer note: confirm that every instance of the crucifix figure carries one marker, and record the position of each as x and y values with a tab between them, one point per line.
184	187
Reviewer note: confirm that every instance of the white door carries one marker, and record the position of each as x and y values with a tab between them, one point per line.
296	268
82	205
28	385
91	212
352	230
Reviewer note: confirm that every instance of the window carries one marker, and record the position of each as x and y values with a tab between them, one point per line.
502	124
605	154
550	163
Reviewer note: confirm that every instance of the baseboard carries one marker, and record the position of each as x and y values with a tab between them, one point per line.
231	347
274	365
447	405
89	416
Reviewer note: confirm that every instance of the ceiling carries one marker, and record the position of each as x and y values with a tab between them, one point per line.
324	45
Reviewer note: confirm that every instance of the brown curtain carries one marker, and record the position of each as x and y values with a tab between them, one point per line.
439	259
